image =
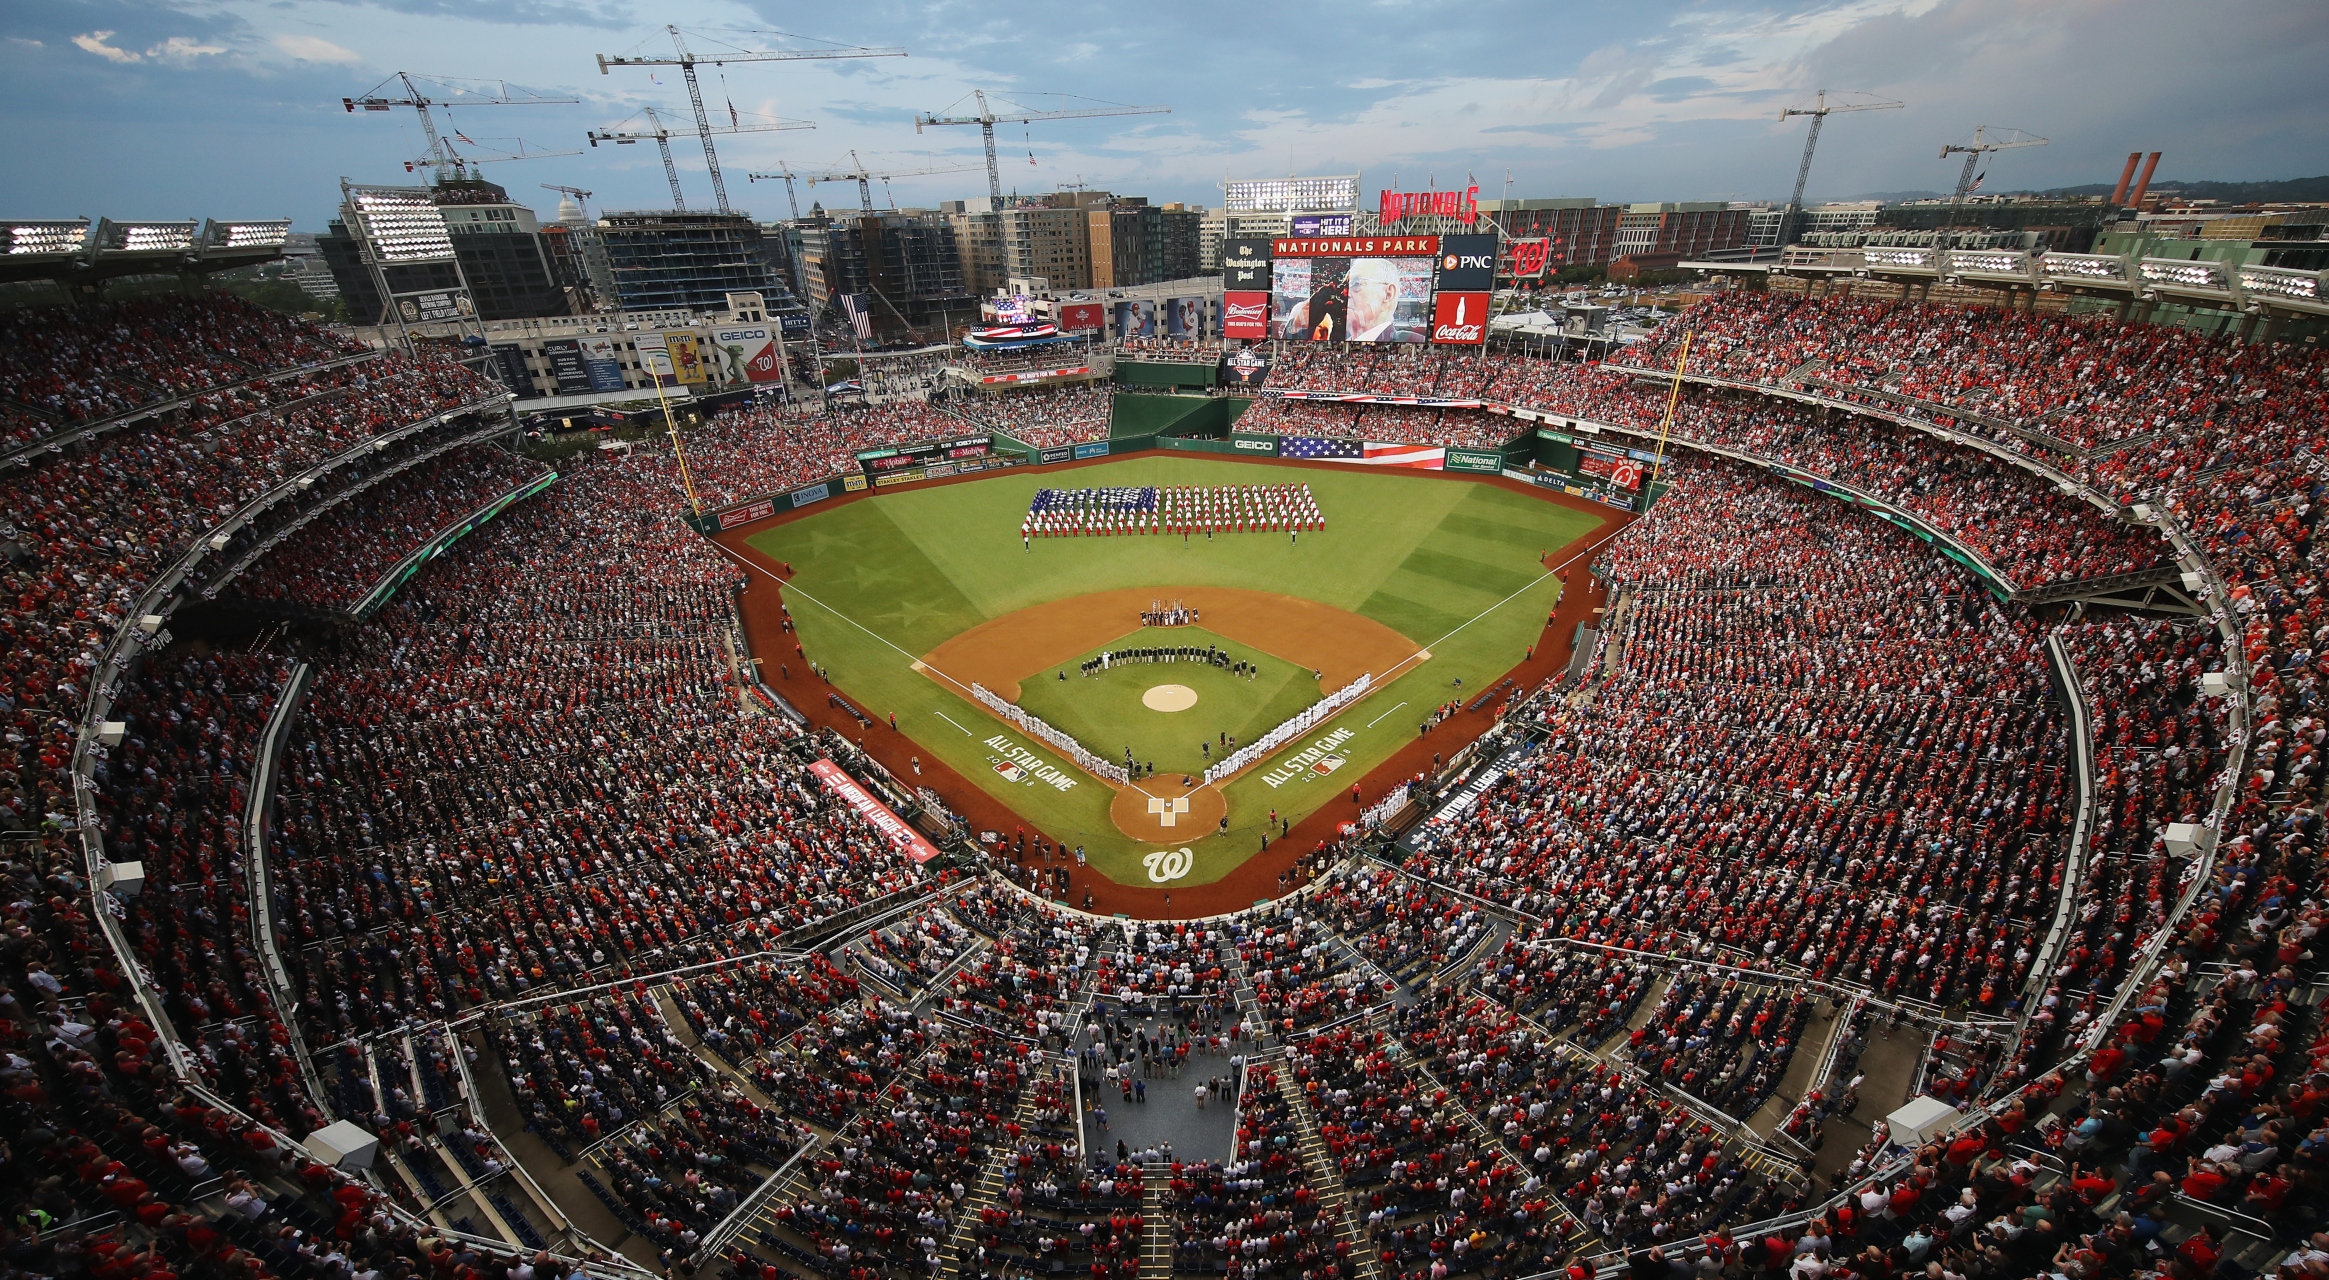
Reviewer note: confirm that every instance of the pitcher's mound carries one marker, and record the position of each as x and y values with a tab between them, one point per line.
1169	697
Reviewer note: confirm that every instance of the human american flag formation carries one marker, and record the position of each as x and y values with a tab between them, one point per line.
1183	509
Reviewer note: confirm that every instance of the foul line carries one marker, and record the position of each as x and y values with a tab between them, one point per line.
1531	585
791	590
956	723
1379	719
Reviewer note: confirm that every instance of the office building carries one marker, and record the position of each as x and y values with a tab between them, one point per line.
661	260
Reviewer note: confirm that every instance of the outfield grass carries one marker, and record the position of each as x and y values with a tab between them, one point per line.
1452	566
1105	713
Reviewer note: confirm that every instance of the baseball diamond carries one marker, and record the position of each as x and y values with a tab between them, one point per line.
1429	587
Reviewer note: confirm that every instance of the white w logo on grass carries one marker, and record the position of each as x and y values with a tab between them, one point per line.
1169	864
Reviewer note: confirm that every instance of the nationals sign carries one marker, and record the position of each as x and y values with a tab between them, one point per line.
1463	206
1245	315
1459	318
1357	247
902	837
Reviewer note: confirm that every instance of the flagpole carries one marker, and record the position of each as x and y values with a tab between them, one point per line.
1666	428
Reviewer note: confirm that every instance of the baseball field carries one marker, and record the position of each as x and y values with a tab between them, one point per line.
910	598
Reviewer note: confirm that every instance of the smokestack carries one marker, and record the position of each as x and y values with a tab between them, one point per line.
2143	183
2126	175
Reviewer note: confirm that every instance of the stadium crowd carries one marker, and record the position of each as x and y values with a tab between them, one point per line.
1045	419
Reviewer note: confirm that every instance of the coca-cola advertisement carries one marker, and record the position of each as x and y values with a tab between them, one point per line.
1245	314
1459	318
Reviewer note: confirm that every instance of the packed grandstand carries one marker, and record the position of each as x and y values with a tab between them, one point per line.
512	873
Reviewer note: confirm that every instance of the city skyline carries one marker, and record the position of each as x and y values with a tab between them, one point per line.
152	110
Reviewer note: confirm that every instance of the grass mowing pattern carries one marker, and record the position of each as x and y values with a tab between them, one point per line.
1104	712
918	566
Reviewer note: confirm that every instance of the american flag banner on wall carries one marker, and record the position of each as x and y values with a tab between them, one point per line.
1318	447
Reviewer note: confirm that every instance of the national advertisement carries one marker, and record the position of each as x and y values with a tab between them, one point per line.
1266	446
602	358
747	513
687	358
565	359
1092	449
1245	265
1483	461
746	353
1246	314
1459	318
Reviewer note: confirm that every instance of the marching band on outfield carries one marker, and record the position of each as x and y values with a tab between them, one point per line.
1181	509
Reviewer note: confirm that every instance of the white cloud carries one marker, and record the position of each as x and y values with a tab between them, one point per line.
94	42
315	49
176	48
21	40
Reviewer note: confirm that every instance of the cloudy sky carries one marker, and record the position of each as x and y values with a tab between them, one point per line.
231	108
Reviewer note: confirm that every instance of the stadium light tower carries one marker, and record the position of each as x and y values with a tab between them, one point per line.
661	135
1819	112
426	93
2007	139
686	61
987	119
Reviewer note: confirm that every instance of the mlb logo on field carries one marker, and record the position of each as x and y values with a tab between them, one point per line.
1326	766
1011	772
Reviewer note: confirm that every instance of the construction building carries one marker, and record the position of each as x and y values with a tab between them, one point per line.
906	262
514	271
663	260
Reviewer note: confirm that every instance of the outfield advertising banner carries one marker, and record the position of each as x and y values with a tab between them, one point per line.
1136	319
1245	265
814	493
565	358
1035	375
1185	317
747	513
687	358
1092	449
1266	446
746	353
1056	453
1246	314
853	483
900	834
1480	460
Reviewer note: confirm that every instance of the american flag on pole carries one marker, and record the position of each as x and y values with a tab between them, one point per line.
853	305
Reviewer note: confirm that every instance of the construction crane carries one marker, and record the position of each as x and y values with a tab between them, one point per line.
578	193
426	93
661	136
858	173
1819	113
2008	139
686	62
987	119
788	175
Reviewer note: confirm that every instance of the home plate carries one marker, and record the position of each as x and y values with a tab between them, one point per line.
1169	697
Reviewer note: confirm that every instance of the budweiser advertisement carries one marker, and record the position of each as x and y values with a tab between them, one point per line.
1035	375
1082	317
1245	315
1459	318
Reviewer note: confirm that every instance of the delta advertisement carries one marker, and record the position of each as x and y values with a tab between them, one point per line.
1355	299
1246	314
1081	317
746	353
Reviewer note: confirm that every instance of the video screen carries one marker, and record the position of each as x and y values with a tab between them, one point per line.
1350	299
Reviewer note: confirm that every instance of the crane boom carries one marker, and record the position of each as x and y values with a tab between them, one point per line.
987	118
686	61
863	177
790	198
1819	112
2010	139
450	93
661	135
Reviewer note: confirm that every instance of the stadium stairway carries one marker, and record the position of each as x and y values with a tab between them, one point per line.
1156	1232
1318	1163
1249	1005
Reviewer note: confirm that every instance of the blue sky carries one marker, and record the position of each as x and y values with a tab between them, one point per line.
231	108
